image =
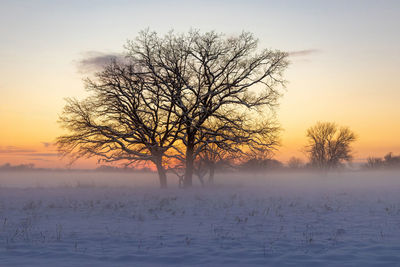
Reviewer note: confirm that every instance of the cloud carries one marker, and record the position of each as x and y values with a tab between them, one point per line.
43	154
12	150
95	61
303	53
40	159
15	150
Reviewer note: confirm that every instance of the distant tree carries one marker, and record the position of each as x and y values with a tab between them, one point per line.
260	161
212	157
107	168
389	161
21	167
261	165
329	145
224	144
374	163
295	163
392	161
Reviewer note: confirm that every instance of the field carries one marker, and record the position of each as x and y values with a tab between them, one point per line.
278	219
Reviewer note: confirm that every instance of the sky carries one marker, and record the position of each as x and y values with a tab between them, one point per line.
345	69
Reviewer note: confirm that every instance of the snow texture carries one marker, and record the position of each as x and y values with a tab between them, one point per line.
113	219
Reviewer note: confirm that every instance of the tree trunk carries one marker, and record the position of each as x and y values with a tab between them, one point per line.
200	175
189	162
161	173
211	175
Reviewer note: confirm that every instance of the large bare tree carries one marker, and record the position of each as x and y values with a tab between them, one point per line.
208	76
161	101
126	118
329	145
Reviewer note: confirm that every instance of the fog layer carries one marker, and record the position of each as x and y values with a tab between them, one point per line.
275	181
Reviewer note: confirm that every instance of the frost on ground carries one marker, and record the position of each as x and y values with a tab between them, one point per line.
342	219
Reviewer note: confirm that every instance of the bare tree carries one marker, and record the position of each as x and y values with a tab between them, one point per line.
295	163
391	160
261	160
126	118
208	75
388	161
160	103
231	141
374	163
209	157
329	145
214	147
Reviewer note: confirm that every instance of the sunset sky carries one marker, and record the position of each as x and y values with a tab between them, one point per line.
345	63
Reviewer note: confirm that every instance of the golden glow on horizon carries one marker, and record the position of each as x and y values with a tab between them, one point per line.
34	151
368	110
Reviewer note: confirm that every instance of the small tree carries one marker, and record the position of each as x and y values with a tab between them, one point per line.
295	163
232	142
261	164
388	161
374	163
329	145
391	160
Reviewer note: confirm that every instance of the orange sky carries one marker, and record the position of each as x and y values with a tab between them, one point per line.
345	69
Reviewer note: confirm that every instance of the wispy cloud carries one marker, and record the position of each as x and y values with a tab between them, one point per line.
94	60
15	150
43	154
303	53
40	159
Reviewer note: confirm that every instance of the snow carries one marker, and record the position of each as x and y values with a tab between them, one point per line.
278	219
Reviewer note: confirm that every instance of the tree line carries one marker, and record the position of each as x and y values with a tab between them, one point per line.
389	161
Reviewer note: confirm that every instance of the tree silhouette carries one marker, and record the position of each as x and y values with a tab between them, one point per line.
295	163
208	76
160	103
389	161
226	143
126	118
329	145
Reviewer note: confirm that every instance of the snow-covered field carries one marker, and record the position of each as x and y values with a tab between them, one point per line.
114	219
